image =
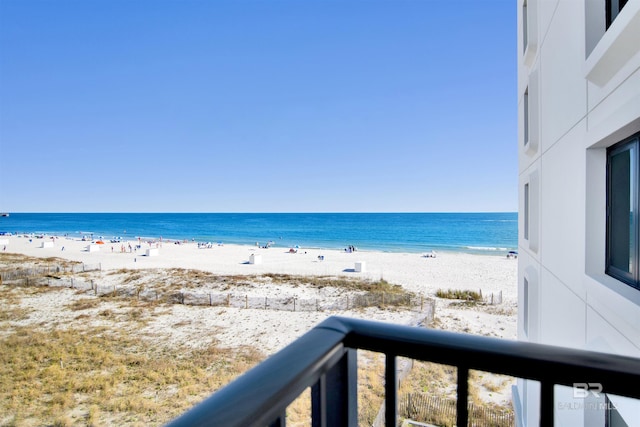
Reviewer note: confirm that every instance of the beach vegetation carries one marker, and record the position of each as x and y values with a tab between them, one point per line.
343	283
370	385
459	294
83	304
79	376
96	368
9	261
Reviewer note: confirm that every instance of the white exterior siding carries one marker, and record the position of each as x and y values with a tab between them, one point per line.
562	321
563	98
562	198
583	96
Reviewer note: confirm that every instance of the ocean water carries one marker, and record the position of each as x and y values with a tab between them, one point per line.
489	233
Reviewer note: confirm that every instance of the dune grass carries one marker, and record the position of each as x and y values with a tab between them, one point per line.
68	375
101	376
71	375
466	295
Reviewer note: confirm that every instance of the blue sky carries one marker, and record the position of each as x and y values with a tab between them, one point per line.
258	106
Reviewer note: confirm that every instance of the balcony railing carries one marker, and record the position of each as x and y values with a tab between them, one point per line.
325	360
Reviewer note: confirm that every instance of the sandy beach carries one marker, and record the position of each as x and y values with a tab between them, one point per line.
182	326
417	273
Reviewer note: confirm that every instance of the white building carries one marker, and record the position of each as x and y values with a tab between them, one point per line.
579	193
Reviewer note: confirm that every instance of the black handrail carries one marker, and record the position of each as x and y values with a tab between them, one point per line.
324	359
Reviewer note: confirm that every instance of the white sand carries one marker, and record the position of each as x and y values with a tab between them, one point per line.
270	330
415	272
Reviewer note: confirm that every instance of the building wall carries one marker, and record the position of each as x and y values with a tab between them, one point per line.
580	86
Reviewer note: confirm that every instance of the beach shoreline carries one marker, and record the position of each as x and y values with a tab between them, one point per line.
476	233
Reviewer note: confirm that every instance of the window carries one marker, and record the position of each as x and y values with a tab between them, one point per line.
623	230
526	211
529	114
529	31
525	18
526	116
613	8
525	311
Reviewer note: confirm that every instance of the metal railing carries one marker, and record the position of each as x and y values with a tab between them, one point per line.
325	360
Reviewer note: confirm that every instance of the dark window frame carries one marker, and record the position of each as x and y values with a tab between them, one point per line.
613	8
526	116
526	311
525	26
632	278
526	211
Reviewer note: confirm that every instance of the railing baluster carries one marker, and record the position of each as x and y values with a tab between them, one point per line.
319	403
546	403
335	395
390	391
462	402
281	421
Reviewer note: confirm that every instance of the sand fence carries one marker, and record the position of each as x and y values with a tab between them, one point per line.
426	409
287	303
49	270
46	276
430	409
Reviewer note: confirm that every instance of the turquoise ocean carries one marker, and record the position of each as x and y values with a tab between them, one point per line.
489	233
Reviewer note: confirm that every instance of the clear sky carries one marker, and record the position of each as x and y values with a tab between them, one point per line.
258	106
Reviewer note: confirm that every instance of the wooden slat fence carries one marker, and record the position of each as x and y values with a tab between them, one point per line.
492	299
47	270
442	412
414	303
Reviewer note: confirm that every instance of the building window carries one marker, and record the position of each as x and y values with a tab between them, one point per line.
525	311
526	116
623	231
525	35
526	211
613	8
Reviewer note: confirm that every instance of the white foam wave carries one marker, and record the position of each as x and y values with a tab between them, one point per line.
486	248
